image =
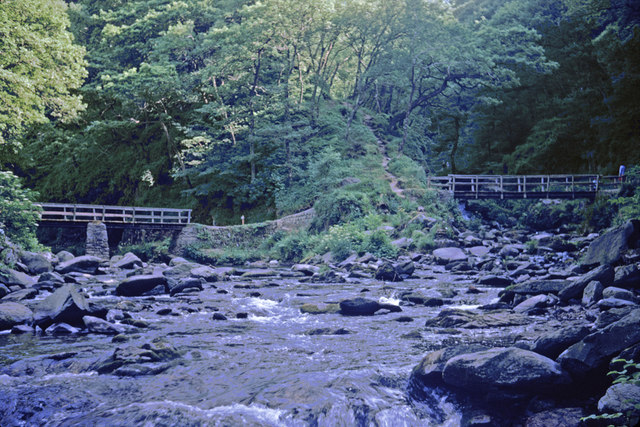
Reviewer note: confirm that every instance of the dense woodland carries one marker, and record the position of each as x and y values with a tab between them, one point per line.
262	107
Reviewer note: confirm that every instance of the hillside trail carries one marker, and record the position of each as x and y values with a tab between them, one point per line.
382	148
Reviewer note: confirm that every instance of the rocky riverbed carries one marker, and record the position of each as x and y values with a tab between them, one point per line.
485	330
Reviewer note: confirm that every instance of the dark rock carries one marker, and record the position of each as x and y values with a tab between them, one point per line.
603	274
447	255
609	303
3	290
22	329
534	287
327	276
553	343
242	315
98	326
306	269
61	329
627	276
207	273
128	261
405	268
139	285
164	311
455	318
592	293
219	316
65	305
149	355
36	263
183	284
387	272
594	352
10	277
404	319
51	276
364	307
13	313
429	370
495	281
565	417
621	398
534	302
510	370
605	318
82	264
619	293
609	247
21	295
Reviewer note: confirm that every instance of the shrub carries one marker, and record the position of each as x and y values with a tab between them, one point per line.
149	251
338	207
292	247
379	244
18	214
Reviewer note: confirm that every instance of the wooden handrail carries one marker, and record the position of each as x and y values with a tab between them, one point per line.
115	214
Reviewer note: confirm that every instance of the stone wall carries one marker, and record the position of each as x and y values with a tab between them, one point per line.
97	243
239	236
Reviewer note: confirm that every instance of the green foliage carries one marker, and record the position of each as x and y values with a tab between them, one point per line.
531	246
379	244
18	215
338	207
629	374
157	251
628	200
40	67
292	247
224	256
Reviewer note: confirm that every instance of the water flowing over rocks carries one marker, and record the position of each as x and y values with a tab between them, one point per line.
484	320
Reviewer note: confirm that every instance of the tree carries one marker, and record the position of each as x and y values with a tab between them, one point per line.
40	68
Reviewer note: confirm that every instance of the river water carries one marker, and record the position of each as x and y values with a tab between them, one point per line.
275	367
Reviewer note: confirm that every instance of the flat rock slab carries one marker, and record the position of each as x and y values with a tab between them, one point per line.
447	255
82	264
504	369
138	285
454	318
13	313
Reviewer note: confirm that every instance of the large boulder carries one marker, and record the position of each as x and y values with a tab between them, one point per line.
65	305
609	247
621	398
13	313
388	272
447	255
128	261
603	274
429	370
141	284
594	352
456	318
11	277
82	264
533	287
510	370
627	276
364	307
36	263
555	342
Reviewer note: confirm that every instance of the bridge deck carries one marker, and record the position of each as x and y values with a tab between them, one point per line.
60	212
524	186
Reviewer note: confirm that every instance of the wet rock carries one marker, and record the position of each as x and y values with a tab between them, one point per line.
149	355
3	290
21	329
99	326
218	316
565	417
13	313
21	295
315	309
206	273
364	307
259	272
603	274
532	303
65	305
388	273
429	370
128	261
82	264
609	247
139	285
495	281
405	268
36	263
184	284
10	277
242	315
534	287
425	297
306	269
555	342
609	303
455	318
621	398
594	352
592	293
510	370
619	293
627	276
329	331
61	329
327	276
448	255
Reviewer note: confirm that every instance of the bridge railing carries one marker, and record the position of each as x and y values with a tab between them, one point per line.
523	186
113	214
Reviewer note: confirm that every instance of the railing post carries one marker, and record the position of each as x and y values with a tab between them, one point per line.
573	187
524	179
501	187
74	212
133	216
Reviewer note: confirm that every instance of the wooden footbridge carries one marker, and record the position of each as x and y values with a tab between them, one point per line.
525	186
122	216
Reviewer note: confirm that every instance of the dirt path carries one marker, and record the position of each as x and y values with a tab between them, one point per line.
393	180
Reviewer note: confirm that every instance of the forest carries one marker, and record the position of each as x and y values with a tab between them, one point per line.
261	108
